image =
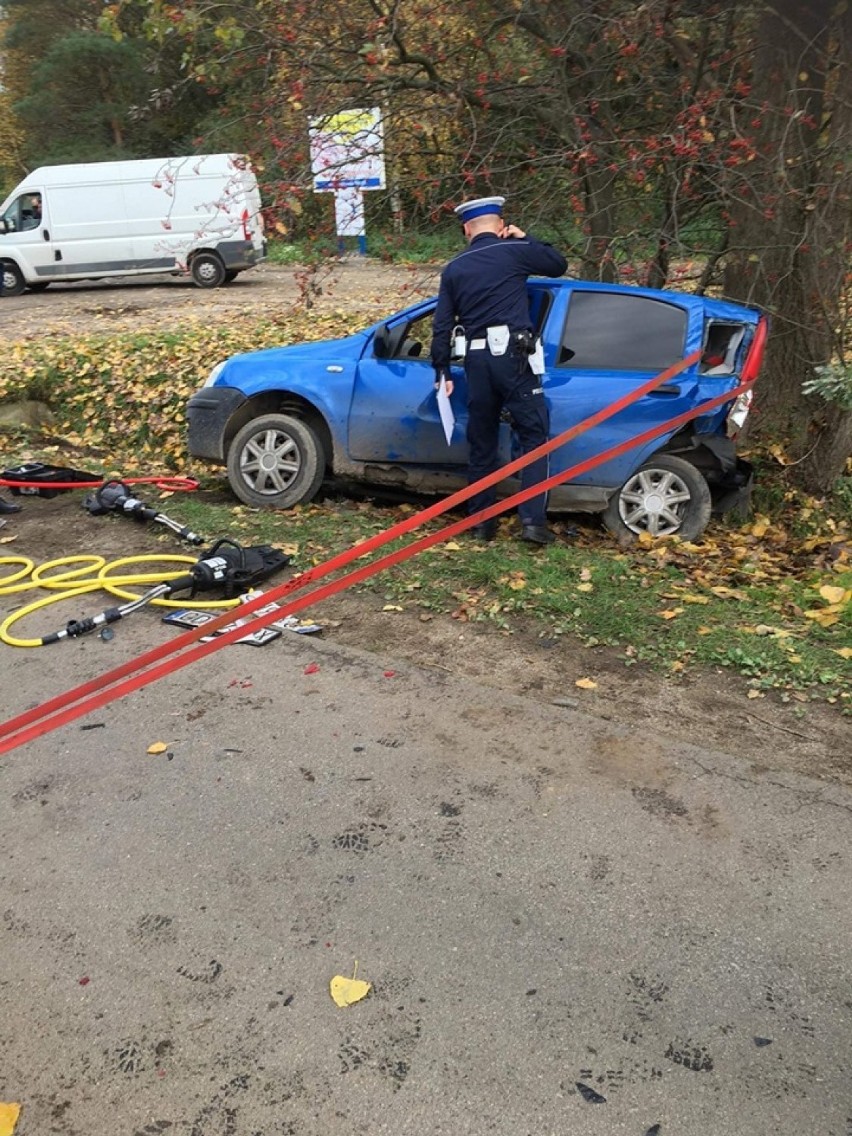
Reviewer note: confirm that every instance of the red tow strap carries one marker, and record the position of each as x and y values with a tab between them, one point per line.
171	656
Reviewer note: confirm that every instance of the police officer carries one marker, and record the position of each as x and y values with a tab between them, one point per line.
484	290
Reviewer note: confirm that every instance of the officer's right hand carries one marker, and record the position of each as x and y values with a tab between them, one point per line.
443	373
512	231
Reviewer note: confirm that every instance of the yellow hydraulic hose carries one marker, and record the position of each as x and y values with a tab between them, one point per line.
90	573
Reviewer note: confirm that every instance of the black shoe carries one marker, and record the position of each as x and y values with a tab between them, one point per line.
486	531
537	534
9	507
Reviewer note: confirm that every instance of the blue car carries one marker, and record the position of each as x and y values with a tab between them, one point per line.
364	409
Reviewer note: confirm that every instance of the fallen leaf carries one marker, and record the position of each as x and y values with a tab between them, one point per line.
158	747
311	669
705	630
692	599
671	613
345	991
452	546
9	1114
843	652
392	607
585	587
586	684
833	594
754	694
823	616
585	574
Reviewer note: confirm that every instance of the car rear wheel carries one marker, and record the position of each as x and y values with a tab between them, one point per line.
13	278
666	496
276	461
207	269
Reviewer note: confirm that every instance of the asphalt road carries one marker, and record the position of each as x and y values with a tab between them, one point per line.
569	927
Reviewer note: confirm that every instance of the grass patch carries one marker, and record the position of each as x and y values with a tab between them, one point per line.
768	599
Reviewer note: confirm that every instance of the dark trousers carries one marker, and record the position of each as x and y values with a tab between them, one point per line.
495	382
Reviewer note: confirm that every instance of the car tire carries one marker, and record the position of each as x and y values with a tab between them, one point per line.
666	496
207	270
13	278
276	461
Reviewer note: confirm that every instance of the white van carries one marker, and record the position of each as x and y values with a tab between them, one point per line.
198	215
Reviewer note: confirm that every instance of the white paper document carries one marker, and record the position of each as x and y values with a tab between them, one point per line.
448	419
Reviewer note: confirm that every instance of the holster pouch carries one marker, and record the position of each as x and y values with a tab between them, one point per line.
458	343
498	339
537	358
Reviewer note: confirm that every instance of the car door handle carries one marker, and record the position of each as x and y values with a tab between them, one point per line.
665	391
46	235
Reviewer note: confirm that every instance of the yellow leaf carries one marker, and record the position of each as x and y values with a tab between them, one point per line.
452	545
158	747
689	598
345	991
392	607
833	594
754	694
822	616
9	1114
585	587
517	584
671	613
586	684
705	630
844	652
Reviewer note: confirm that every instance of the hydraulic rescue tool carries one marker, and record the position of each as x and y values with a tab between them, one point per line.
226	565
115	497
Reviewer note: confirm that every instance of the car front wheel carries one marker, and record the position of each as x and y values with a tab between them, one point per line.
666	496
13	278
276	461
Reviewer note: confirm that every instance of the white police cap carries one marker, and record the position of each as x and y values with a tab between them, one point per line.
479	208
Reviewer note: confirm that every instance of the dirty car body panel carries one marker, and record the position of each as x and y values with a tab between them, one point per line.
369	398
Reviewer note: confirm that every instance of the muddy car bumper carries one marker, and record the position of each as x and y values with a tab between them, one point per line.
207	415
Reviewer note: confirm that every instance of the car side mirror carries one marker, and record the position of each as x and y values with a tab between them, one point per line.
4	225
381	343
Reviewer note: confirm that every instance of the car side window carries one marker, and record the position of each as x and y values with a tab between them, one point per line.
616	332
410	341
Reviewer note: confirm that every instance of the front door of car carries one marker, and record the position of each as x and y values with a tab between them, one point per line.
394	414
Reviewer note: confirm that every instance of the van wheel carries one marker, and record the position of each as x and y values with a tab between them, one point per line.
13	278
276	461
208	271
666	495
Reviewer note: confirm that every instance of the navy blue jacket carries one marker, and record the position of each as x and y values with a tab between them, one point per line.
486	286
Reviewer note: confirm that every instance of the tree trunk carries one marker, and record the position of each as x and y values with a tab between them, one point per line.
789	218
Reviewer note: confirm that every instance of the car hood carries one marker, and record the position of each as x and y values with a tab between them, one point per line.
346	351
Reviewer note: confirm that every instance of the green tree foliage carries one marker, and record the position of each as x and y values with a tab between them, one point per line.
703	143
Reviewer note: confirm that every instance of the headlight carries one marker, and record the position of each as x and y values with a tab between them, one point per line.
215	373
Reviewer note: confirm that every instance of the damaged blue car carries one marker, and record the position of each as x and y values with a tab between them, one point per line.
364	409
